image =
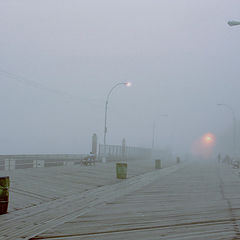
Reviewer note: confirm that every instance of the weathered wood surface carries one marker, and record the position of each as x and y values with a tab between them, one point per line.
30	187
30	221
198	201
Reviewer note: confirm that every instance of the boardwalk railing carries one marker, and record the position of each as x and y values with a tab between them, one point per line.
123	153
11	162
112	153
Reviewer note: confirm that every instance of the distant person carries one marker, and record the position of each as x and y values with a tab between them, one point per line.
92	157
219	157
227	159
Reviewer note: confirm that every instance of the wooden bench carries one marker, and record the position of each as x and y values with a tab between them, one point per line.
88	161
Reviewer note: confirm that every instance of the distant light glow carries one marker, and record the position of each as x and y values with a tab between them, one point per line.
208	139
204	145
128	84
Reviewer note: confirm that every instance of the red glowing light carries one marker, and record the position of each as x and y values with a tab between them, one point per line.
208	138
204	145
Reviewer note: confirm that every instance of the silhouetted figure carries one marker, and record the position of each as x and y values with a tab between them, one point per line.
92	158
227	159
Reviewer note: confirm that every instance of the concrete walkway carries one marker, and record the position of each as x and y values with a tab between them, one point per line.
200	200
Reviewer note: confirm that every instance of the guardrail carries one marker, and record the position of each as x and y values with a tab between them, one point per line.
123	153
11	162
112	152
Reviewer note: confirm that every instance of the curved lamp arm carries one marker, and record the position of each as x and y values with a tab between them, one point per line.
128	84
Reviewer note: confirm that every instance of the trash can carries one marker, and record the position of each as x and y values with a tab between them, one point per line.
158	164
121	170
4	194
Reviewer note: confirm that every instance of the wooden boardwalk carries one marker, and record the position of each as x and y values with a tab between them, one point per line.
199	201
187	201
34	186
54	190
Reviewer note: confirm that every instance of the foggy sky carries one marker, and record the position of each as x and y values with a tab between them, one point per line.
180	55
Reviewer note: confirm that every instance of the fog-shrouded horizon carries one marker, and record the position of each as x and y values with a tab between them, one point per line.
60	58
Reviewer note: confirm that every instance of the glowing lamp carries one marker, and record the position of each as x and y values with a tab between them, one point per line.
209	138
128	84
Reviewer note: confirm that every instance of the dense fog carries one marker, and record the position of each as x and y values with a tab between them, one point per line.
59	59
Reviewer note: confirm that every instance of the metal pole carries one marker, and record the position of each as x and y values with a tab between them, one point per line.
105	119
153	135
154	130
234	125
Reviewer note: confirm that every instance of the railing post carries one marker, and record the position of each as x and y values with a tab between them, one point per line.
6	164
34	163
123	149
40	163
9	164
94	144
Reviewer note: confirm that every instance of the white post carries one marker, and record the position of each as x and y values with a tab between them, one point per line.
34	163
6	164
40	163
12	164
68	163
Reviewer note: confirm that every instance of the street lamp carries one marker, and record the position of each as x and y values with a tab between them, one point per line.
234	124
153	134
127	84
233	23
154	128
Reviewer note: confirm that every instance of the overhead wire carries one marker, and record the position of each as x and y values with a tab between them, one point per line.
32	83
35	84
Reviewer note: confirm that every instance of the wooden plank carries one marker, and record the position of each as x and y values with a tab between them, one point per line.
31	221
57	182
200	201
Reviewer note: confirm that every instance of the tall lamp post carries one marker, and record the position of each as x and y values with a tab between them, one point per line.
154	128
232	24
153	134
234	124
128	84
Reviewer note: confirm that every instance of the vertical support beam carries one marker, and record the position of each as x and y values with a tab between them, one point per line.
6	164
12	164
99	152
124	149
158	164
34	163
94	144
